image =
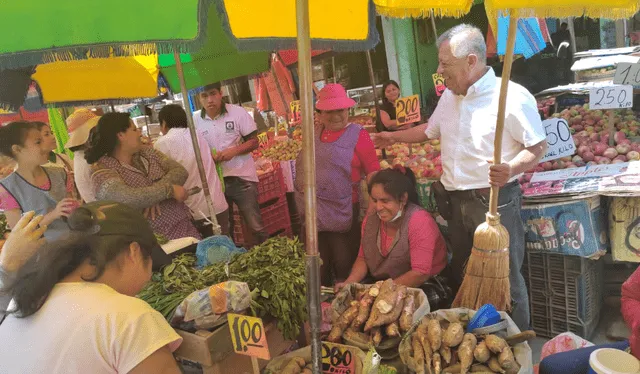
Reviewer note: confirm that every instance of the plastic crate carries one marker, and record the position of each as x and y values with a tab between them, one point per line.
271	185
565	293
276	219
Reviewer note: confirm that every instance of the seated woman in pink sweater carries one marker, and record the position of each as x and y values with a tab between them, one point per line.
400	240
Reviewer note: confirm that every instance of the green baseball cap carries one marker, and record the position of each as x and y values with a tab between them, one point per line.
109	222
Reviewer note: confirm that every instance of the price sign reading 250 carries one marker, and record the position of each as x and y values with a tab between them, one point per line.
611	97
337	359
248	336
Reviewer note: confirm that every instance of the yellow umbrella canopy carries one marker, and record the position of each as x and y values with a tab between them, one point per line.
422	8
336	24
98	79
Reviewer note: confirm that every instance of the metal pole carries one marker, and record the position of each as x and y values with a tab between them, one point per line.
372	78
312	259
572	34
194	141
333	66
433	25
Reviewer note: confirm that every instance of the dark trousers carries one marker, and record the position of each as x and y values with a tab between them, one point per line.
245	195
468	212
206	230
338	251
576	361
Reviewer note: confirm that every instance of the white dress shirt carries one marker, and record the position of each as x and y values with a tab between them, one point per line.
225	131
466	127
82	177
177	144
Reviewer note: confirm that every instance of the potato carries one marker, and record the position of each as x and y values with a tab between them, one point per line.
477	368
495	343
465	352
495	365
406	318
481	353
392	329
418	354
507	361
343	322
293	367
434	334
445	353
453	335
376	336
421	332
437	363
364	310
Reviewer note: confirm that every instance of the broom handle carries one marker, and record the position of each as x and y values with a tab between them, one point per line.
502	105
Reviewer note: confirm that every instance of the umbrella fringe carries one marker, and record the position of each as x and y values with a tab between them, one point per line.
394	12
551	11
276	43
120	101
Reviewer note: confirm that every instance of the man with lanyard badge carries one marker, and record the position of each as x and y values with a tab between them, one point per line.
232	135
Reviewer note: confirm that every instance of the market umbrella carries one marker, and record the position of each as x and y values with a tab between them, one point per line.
336	24
41	31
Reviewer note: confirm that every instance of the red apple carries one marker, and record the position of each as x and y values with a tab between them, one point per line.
633	156
623	149
610	153
588	156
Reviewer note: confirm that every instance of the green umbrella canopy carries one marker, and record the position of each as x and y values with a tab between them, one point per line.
39	31
217	60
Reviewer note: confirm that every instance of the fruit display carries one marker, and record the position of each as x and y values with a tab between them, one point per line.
284	150
363	120
591	137
424	159
383	311
440	346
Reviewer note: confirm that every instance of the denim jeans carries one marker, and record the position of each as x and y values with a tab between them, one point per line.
468	212
245	195
576	361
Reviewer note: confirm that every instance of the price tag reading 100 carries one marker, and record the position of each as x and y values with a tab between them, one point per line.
248	336
337	359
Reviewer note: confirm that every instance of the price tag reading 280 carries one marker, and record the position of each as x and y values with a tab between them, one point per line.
612	97
337	359
408	110
248	336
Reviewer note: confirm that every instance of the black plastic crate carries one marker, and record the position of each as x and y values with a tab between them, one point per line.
565	293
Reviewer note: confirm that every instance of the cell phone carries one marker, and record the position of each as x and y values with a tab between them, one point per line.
193	191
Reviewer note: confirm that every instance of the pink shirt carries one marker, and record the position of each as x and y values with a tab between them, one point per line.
365	160
8	202
426	244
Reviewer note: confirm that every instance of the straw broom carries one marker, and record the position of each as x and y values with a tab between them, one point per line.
486	279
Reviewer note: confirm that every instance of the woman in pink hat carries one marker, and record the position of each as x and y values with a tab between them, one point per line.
344	155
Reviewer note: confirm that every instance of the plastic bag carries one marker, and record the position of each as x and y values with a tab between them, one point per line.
229	297
215	249
565	342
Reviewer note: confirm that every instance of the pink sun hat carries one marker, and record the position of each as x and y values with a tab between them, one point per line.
334	97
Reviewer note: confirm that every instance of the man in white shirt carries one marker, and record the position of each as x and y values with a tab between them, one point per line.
232	133
465	121
177	144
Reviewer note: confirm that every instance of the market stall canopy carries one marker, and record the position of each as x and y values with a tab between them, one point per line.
341	25
98	79
422	8
41	31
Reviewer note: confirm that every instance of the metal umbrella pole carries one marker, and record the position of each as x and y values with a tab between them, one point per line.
372	77
194	141
312	259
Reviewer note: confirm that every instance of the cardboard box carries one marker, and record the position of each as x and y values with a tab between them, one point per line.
213	350
624	228
574	227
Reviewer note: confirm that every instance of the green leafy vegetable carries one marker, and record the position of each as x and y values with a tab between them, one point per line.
274	270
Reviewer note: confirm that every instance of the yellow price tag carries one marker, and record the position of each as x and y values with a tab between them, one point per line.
248	336
295	111
438	83
337	359
408	110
